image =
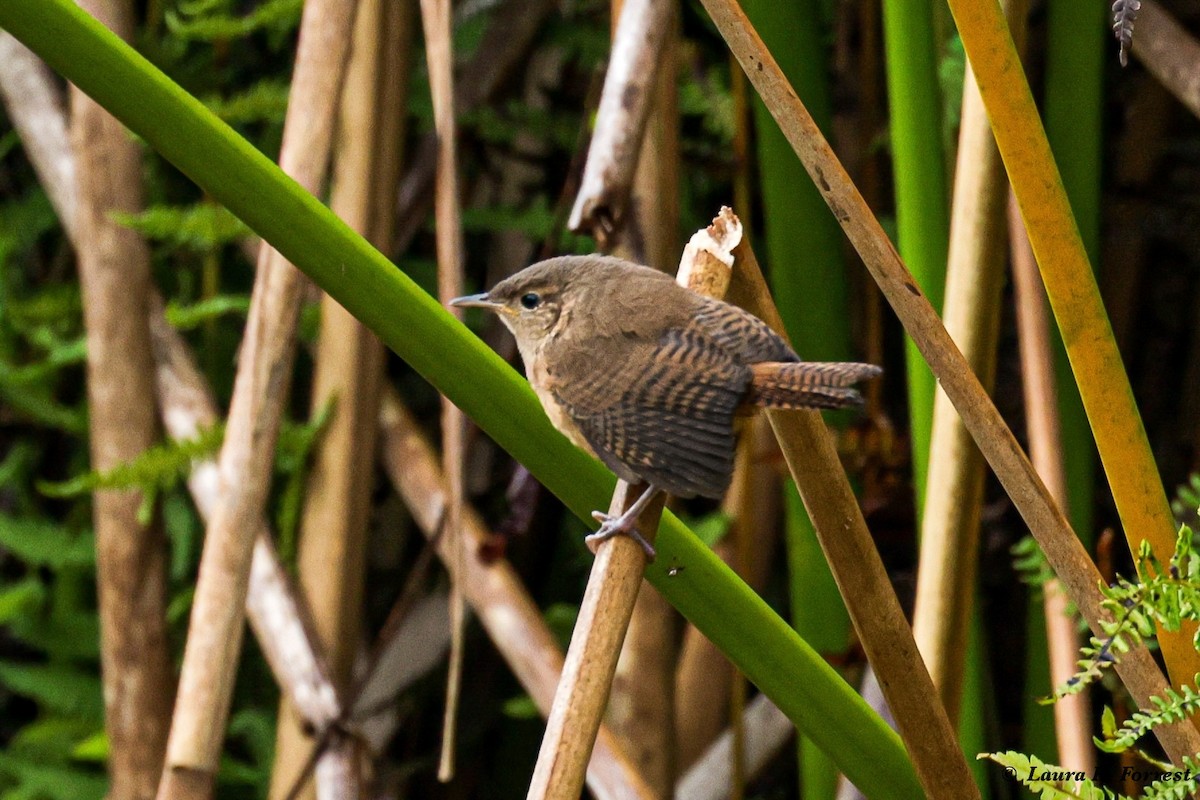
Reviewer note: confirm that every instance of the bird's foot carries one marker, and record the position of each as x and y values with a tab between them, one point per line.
611	526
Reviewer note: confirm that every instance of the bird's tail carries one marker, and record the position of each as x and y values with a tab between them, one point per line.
804	384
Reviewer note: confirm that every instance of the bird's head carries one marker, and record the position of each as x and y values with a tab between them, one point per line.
530	302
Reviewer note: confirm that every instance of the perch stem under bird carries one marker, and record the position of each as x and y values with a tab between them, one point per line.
649	376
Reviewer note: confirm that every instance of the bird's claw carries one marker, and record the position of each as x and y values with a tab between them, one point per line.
611	526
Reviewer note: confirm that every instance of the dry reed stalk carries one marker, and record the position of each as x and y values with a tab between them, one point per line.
812	459
767	729
705	679
507	612
625	102
507	41
278	615
35	107
435	18
114	275
992	436
612	589
641	705
1072	714
348	367
260	388
1169	53
949	552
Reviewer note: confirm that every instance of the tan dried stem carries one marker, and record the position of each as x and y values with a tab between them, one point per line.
1063	550
260	389
641	707
621	118
348	368
1170	53
435	18
811	456
35	107
609	599
1072	714
767	730
506	611
277	614
705	681
511	30
949	552
114	274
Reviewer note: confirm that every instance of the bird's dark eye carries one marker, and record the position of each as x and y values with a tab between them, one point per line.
531	300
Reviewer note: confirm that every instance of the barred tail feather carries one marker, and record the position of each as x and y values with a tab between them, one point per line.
808	384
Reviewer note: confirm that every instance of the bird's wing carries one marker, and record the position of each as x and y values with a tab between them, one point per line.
659	410
745	336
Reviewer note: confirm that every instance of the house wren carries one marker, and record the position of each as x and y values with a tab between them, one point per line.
648	375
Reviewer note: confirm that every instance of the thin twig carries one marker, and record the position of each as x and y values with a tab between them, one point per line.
1072	713
264	370
35	106
435	18
949	551
621	119
505	609
131	575
767	731
1063	550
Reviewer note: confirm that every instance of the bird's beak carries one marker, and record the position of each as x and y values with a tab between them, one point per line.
477	301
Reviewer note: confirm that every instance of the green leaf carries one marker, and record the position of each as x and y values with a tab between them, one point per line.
64	690
186	318
52	782
41	543
521	707
22	599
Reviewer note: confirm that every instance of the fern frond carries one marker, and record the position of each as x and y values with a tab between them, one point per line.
264	101
1047	781
208	21
185	318
200	226
158	468
1176	705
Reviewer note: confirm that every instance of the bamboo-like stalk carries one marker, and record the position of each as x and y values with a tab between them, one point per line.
813	295
1076	51
974	278
114	274
1063	550
613	584
35	107
705	678
214	632
642	703
508	39
280	619
505	608
710	778
919	170
1170	53
348	368
874	609
1072	714
1074	298
621	118
439	54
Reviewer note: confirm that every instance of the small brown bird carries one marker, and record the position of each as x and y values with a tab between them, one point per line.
648	375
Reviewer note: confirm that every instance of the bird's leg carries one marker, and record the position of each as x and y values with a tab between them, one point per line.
625	523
